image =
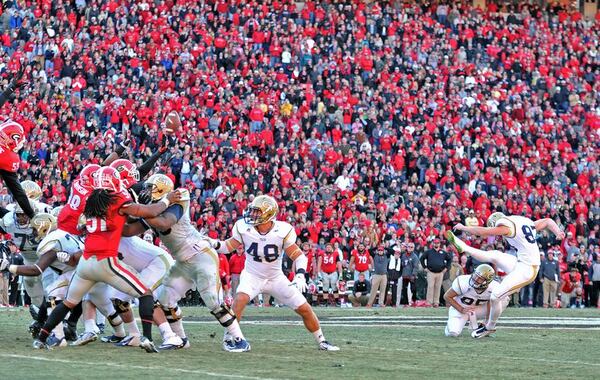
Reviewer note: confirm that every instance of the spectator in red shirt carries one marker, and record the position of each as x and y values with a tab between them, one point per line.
237	262
570	288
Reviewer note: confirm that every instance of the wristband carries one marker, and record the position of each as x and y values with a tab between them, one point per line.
13	269
166	201
300	271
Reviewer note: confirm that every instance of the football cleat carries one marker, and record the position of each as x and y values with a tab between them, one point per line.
111	339
326	346
70	331
456	242
53	341
482	332
148	345
85	338
236	345
129	341
39	345
186	342
171	343
34	329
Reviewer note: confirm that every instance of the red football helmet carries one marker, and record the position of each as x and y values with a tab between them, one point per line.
87	175
127	170
12	136
108	178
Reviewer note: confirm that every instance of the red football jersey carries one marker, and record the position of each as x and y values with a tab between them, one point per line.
329	262
361	262
68	218
9	160
104	235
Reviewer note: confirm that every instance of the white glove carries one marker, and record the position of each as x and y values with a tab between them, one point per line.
300	282
62	256
213	243
4	263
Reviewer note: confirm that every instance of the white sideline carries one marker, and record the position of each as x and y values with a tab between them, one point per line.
127	366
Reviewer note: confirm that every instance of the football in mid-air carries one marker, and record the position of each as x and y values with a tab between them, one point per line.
172	122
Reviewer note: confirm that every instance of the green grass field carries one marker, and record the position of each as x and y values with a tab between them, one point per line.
375	344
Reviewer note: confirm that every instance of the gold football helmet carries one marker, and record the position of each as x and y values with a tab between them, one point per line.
158	186
492	219
32	189
261	210
42	224
482	277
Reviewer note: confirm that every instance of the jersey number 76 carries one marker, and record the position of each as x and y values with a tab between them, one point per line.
270	252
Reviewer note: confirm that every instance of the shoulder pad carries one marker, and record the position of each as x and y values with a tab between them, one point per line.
185	199
508	223
47	245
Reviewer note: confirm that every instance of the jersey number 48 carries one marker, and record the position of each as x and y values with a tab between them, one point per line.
270	252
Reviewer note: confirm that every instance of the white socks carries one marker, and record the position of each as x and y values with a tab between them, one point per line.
319	336
132	328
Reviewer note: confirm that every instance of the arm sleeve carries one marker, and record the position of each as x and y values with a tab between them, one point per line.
13	184
290	238
235	233
176	210
456	286
301	262
145	168
448	260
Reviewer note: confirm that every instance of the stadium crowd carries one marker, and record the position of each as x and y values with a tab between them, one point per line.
380	124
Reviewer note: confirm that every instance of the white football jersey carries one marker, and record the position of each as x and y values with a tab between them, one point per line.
264	252
183	236
60	240
467	296
22	237
523	238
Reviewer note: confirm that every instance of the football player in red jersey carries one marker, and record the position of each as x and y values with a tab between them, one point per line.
329	268
106	210
12	138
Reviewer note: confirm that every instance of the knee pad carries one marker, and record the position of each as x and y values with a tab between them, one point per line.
121	306
224	315
173	314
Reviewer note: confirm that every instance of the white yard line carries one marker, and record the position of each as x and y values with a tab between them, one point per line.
414	323
129	366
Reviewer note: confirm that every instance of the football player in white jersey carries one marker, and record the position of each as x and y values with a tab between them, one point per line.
16	223
520	233
468	299
265	240
54	252
196	265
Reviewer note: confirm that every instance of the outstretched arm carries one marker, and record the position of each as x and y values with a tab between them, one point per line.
484	231
549	224
226	246
151	210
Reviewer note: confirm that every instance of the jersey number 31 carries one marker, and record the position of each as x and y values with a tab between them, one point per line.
270	252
